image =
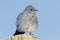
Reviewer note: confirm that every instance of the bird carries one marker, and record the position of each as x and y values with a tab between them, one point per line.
26	21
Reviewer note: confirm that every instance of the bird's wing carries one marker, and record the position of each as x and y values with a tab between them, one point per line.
19	19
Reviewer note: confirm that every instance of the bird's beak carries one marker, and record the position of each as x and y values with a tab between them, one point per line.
35	10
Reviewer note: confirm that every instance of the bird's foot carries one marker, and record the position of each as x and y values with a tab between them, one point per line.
30	34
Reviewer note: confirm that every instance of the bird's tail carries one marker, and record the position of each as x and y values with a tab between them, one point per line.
17	33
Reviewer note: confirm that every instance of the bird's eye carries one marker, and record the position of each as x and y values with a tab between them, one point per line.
31	9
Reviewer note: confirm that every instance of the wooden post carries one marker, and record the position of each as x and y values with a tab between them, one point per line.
21	37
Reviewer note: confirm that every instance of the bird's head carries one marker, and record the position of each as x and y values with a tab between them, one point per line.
30	9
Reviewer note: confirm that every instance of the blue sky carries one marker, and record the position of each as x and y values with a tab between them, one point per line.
48	17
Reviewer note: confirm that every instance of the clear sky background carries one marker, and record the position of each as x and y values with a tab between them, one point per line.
48	17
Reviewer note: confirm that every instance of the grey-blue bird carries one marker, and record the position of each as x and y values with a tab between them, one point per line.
26	21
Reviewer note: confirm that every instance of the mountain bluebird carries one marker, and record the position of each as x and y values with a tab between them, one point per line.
26	21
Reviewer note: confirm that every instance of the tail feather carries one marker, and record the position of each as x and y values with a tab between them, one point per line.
17	32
